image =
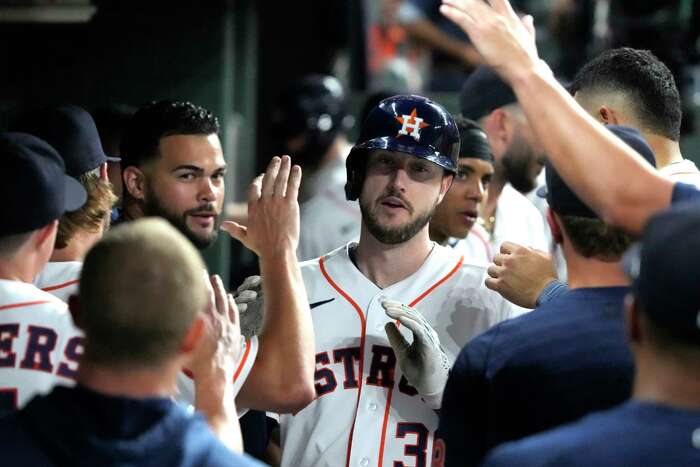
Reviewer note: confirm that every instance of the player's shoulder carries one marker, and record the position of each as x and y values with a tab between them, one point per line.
317	266
513	201
15	294
570	444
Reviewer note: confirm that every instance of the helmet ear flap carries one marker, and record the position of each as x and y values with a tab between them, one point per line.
355	168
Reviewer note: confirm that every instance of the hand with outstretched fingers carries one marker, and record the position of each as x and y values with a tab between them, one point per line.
273	211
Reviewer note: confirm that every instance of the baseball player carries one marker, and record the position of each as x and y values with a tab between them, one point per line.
518	157
455	220
173	167
311	119
376	395
39	346
72	132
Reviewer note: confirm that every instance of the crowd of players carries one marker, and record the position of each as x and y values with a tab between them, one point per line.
428	295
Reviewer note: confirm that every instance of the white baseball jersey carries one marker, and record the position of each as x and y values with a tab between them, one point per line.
328	220
60	278
365	412
249	351
683	171
39	345
517	221
475	247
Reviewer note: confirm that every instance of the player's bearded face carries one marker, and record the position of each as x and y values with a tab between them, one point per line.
153	206
394	234
522	164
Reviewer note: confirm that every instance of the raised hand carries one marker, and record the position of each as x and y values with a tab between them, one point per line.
273	210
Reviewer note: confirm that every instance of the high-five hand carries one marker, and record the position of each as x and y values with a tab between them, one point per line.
505	41
273	210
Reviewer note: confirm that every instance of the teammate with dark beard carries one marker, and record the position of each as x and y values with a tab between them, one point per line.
518	160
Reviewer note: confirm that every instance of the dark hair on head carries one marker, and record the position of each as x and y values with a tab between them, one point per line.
593	238
158	120
644	78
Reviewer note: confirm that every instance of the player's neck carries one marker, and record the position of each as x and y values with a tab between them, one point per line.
666	151
667	381
590	272
77	247
20	268
386	264
136	384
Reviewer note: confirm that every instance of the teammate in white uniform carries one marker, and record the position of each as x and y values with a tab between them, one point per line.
71	131
174	167
507	214
309	122
366	413
39	346
454	223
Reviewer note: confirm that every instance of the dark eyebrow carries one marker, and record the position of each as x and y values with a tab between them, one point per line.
193	168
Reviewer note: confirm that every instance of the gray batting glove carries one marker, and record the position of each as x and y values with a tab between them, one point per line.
249	300
423	362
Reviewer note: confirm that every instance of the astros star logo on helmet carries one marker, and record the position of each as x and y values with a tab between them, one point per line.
411	125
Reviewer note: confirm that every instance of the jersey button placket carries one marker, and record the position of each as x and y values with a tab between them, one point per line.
364	462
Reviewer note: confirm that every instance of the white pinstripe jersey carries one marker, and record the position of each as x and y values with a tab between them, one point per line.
377	419
39	346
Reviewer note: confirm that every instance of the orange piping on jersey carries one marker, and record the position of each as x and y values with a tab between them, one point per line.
487	245
60	286
243	360
362	348
391	390
19	305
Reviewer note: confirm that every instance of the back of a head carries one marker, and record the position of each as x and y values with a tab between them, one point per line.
590	236
483	92
157	120
647	84
140	289
37	190
72	132
665	277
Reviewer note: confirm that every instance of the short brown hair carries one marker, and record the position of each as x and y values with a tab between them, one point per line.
141	288
94	214
593	238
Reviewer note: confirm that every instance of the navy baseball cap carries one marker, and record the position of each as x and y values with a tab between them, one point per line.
563	200
483	92
72	132
37	189
664	270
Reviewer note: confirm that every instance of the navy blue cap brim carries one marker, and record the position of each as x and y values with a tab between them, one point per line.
75	195
408	147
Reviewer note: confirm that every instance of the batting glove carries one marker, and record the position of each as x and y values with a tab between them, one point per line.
249	300
423	362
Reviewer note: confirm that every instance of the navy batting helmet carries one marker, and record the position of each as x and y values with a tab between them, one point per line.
410	124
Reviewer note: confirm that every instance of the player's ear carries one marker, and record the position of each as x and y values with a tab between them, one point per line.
194	335
445	185
608	115
74	307
134	181
103	172
497	125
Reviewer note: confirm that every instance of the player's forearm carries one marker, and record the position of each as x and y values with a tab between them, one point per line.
607	174
215	400
287	339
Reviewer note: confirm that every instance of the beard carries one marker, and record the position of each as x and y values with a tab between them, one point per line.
153	207
398	234
517	163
